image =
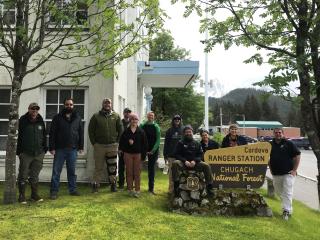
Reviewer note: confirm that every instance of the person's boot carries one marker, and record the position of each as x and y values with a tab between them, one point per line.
22	193
34	193
95	187
176	188
210	190
113	187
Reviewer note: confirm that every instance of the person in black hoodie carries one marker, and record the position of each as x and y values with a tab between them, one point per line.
172	137
134	145
31	148
65	139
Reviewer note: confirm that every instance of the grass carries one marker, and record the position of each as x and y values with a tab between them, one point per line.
117	216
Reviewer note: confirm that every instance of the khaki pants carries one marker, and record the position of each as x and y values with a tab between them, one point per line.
30	167
105	154
133	170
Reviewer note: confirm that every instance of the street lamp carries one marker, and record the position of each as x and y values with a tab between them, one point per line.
148	96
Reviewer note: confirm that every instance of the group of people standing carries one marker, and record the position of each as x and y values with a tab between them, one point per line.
110	137
124	143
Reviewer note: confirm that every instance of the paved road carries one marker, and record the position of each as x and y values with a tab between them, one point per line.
305	187
308	164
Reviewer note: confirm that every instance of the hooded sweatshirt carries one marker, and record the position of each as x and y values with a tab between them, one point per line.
173	136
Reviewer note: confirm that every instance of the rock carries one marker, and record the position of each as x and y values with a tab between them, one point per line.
264	212
191	205
184	195
204	202
177	202
183	187
195	195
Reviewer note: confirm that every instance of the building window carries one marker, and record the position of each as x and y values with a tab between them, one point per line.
54	103
5	96
67	13
8	12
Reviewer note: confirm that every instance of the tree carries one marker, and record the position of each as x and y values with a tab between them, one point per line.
266	110
170	101
90	36
289	31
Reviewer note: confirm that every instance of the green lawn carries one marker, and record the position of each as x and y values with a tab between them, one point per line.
117	216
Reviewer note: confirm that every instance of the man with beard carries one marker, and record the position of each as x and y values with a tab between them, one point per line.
173	136
105	129
65	140
189	155
31	148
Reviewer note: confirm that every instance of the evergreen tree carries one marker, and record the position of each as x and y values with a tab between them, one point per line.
266	110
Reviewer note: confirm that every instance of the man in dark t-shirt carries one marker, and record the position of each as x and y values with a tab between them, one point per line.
284	162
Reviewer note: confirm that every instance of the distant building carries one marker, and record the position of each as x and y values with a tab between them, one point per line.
258	129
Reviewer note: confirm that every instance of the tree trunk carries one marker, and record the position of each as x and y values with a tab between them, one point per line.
10	162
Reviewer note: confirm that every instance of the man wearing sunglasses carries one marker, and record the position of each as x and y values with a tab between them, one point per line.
65	140
31	148
284	162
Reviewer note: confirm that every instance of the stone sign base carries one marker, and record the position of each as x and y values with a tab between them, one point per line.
193	199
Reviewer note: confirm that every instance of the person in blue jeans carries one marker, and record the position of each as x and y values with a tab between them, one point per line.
65	141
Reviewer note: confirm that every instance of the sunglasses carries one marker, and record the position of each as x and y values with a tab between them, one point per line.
35	108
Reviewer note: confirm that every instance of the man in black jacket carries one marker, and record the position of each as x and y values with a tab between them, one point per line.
31	148
65	139
189	155
173	136
121	165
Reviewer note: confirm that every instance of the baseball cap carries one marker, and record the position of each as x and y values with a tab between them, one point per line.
34	105
127	110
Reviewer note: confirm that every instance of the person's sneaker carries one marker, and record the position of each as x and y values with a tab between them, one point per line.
35	197
152	192
131	193
95	188
121	187
285	215
136	194
75	193
22	199
113	187
53	196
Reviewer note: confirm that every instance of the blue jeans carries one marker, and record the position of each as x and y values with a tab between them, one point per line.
70	155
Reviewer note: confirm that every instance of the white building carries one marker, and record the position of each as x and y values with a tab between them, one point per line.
134	74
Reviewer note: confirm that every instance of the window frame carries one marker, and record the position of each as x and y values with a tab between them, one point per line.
3	119
85	118
2	8
60	25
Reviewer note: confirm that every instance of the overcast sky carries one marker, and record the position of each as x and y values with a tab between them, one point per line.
225	65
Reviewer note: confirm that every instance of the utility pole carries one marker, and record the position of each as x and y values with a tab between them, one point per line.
221	119
206	90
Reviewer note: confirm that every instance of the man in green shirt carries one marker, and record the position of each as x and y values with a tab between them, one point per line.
105	129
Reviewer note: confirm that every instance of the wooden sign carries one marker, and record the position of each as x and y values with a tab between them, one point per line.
239	167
